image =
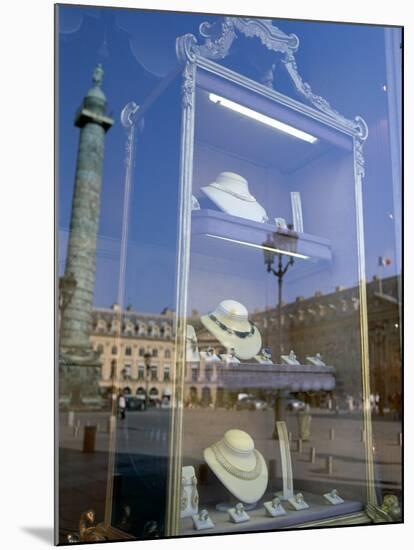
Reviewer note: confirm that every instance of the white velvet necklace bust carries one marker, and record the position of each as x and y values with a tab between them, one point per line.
239	466
229	323
230	192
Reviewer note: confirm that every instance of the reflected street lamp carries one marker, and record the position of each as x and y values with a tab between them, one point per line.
269	260
147	362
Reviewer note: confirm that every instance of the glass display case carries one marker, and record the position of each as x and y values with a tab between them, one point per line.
257	209
243	212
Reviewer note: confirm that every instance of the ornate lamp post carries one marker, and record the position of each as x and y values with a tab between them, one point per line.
269	259
147	362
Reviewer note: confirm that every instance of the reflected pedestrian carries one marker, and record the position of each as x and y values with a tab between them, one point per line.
122	406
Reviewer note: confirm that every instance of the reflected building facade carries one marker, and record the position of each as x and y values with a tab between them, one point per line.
123	341
323	323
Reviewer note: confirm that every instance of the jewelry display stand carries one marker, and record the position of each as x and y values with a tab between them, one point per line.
316	360
261	519
230	358
290	359
333	498
231	503
230	193
210	357
189	492
297	211
239	466
202	521
229	323
264	358
281	223
238	514
274	507
285	460
298	502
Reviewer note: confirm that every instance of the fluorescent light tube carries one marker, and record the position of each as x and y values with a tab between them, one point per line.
260	246
262	118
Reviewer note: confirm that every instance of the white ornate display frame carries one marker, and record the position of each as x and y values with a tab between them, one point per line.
215	44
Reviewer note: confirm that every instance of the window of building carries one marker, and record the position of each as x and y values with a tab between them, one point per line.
141	352
194	374
114	350
128	351
167	354
141	372
155	353
126	372
167	374
154	374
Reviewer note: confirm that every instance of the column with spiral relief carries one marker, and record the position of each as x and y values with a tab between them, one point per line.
79	364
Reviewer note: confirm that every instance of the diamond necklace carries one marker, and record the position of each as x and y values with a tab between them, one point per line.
233	470
247	198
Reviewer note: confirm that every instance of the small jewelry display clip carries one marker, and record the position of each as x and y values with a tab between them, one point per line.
238	513
298	502
202	521
274	507
333	497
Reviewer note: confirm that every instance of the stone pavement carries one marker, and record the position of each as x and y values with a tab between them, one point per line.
142	443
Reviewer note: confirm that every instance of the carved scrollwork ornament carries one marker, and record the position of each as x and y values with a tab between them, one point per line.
359	158
388	512
361	128
269	35
219	37
186	48
188	85
127	114
357	126
391	507
88	530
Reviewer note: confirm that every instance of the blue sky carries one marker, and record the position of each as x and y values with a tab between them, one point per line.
343	63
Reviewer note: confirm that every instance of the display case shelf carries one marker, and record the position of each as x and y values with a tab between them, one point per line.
292	377
318	511
232	229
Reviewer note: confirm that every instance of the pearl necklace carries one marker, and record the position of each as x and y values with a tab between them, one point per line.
249	475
